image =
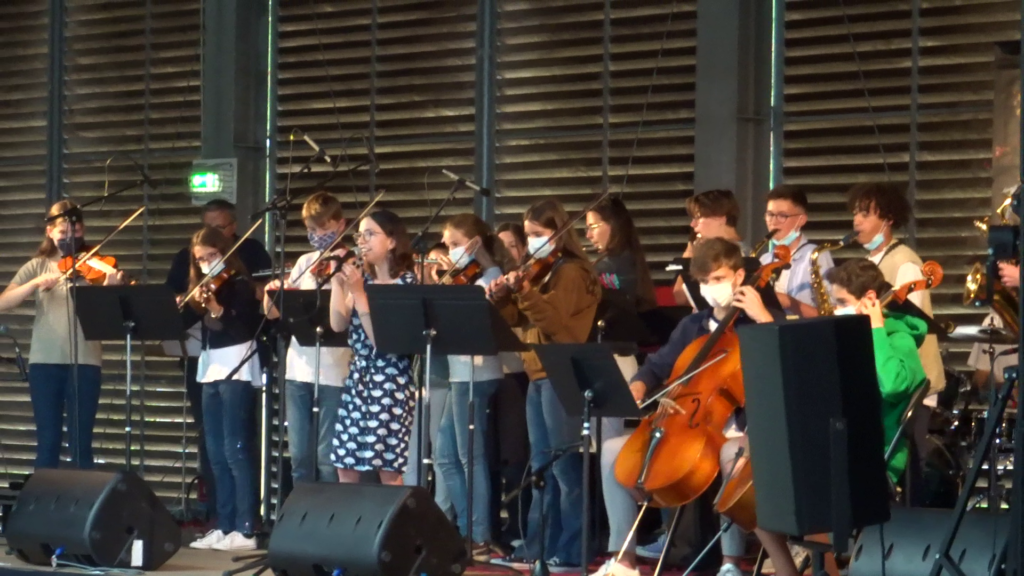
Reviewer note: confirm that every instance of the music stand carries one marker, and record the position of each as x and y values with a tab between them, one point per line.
588	383
122	312
411	319
618	324
307	316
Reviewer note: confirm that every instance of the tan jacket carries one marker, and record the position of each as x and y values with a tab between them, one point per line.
931	358
561	310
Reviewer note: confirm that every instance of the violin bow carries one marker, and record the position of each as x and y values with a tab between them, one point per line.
95	249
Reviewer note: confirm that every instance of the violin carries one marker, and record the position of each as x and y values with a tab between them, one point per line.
93	269
737	501
674	457
210	288
326	268
468	274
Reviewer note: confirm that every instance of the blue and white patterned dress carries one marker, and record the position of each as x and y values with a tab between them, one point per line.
376	413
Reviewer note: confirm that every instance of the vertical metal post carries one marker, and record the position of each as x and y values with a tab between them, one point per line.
1016	552
486	106
915	81
606	95
146	244
777	175
55	105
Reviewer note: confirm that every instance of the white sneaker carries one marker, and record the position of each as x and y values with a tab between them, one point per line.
730	570
236	541
212	538
613	568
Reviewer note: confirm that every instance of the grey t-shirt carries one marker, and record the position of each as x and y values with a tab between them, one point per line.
51	343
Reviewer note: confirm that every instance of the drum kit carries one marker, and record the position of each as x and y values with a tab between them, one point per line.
956	429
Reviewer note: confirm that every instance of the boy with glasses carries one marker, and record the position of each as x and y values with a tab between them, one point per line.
786	213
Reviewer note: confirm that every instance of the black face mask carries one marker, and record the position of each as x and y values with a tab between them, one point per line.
70	246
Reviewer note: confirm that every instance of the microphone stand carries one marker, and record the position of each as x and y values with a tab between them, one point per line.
424	470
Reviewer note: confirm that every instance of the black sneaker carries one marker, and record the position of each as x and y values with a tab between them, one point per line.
481	552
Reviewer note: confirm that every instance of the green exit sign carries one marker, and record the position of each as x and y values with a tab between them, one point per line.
206	183
213	179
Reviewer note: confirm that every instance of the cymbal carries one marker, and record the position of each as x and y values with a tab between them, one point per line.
982	334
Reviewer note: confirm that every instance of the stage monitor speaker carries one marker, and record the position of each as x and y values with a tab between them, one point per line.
798	377
912	538
106	519
364	530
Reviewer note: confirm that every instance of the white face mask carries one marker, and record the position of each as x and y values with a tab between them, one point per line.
459	257
845	311
718	295
217	268
539	247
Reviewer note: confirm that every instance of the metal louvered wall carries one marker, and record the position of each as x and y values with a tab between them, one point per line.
131	89
24	28
849	119
411	98
552	119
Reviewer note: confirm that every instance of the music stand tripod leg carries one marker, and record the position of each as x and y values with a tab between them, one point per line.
128	326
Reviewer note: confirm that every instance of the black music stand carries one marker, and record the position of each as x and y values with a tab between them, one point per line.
307	314
121	313
450	320
588	383
618	324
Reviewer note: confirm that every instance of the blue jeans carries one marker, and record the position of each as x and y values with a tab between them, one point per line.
299	412
550	429
227	409
453	454
50	388
438	397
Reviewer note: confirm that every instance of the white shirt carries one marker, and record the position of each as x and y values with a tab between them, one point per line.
477	368
215	364
301	360
979	358
795	281
907	272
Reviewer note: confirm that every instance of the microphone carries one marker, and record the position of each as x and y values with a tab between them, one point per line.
19	360
467	183
145	176
314	145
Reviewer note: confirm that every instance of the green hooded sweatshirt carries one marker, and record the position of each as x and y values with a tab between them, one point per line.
900	374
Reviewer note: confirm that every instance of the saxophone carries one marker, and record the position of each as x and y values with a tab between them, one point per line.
821	295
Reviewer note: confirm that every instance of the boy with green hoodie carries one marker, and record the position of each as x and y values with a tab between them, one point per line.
857	286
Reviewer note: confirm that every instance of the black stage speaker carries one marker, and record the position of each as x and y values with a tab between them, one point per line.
798	377
108	519
913	537
364	530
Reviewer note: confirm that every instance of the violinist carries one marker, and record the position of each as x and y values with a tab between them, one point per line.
554	301
230	316
461	234
378	384
54	350
786	213
514	238
878	210
717	265
714	214
324	221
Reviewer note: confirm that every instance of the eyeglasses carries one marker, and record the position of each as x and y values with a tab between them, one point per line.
366	235
595	226
778	216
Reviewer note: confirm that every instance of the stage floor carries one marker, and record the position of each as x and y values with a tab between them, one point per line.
188	562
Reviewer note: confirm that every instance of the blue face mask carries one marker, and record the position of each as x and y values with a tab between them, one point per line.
322	241
877	240
789	239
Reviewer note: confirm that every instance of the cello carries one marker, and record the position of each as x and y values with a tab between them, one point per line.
737	501
674	458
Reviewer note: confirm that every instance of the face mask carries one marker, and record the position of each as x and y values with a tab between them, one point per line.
322	241
789	239
845	311
459	257
70	246
877	240
217	268
719	295
540	247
